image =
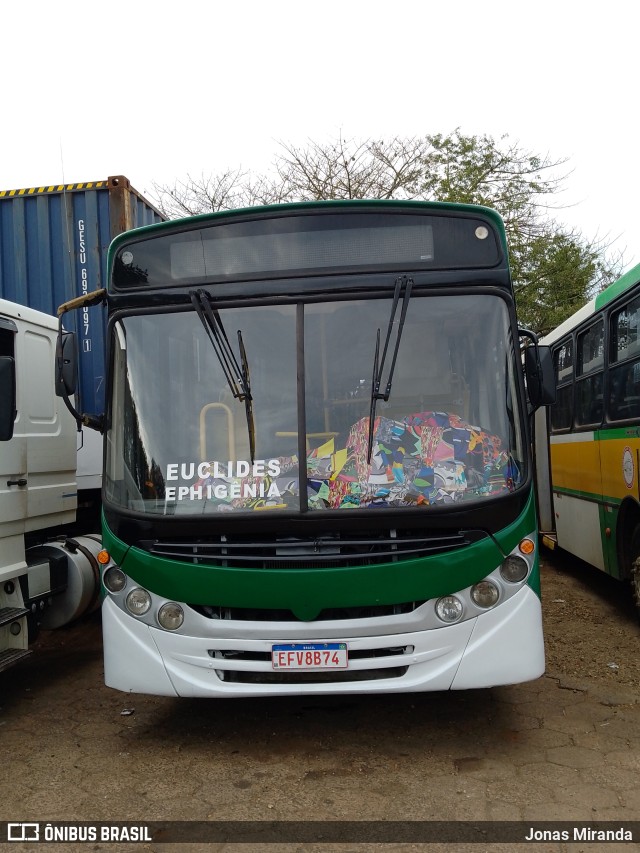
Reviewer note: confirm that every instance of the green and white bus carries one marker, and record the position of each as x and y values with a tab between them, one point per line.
317	460
588	448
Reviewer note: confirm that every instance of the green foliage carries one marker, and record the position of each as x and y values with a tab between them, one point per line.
555	270
478	170
553	275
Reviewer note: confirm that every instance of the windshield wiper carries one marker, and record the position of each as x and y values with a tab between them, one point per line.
236	375
402	282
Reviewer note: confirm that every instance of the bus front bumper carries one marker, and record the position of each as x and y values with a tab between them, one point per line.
502	646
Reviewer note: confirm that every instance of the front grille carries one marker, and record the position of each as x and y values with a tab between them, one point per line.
254	614
241	677
327	550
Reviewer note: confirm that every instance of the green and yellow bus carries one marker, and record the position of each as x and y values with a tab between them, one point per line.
588	449
317	459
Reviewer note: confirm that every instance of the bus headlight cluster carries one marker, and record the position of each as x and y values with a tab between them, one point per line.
140	603
505	581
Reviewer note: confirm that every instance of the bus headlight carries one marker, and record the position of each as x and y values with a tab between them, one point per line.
114	579
514	569
138	601
449	608
171	616
485	594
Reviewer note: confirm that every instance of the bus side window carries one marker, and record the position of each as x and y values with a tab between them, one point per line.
590	376
589	400
625	369
561	412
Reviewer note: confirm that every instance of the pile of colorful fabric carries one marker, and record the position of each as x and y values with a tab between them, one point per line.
423	459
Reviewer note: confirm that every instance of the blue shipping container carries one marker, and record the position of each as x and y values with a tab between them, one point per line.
53	247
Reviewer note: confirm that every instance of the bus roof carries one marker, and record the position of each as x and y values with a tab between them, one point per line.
618	287
610	293
309	239
336	204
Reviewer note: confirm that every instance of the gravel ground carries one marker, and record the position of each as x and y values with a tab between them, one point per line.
564	747
591	625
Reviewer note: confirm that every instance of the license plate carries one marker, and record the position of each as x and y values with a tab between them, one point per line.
309	656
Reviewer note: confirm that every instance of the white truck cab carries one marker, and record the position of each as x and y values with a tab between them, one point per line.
48	574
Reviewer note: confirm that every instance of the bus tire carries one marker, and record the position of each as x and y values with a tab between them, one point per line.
634	560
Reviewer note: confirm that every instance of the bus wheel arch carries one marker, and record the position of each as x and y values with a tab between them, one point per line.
628	546
634	571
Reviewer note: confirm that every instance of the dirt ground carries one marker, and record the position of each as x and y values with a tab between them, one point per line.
592	629
564	747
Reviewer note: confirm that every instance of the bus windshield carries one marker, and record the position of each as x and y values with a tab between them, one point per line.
180	441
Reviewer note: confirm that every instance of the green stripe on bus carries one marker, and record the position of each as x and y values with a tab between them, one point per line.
618	433
614	290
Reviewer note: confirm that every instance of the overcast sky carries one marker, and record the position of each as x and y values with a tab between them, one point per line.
159	90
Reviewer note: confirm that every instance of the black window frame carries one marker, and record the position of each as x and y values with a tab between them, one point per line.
589	377
566	384
611	417
618	364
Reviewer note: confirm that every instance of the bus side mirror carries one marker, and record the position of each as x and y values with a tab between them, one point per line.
541	380
7	397
66	364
